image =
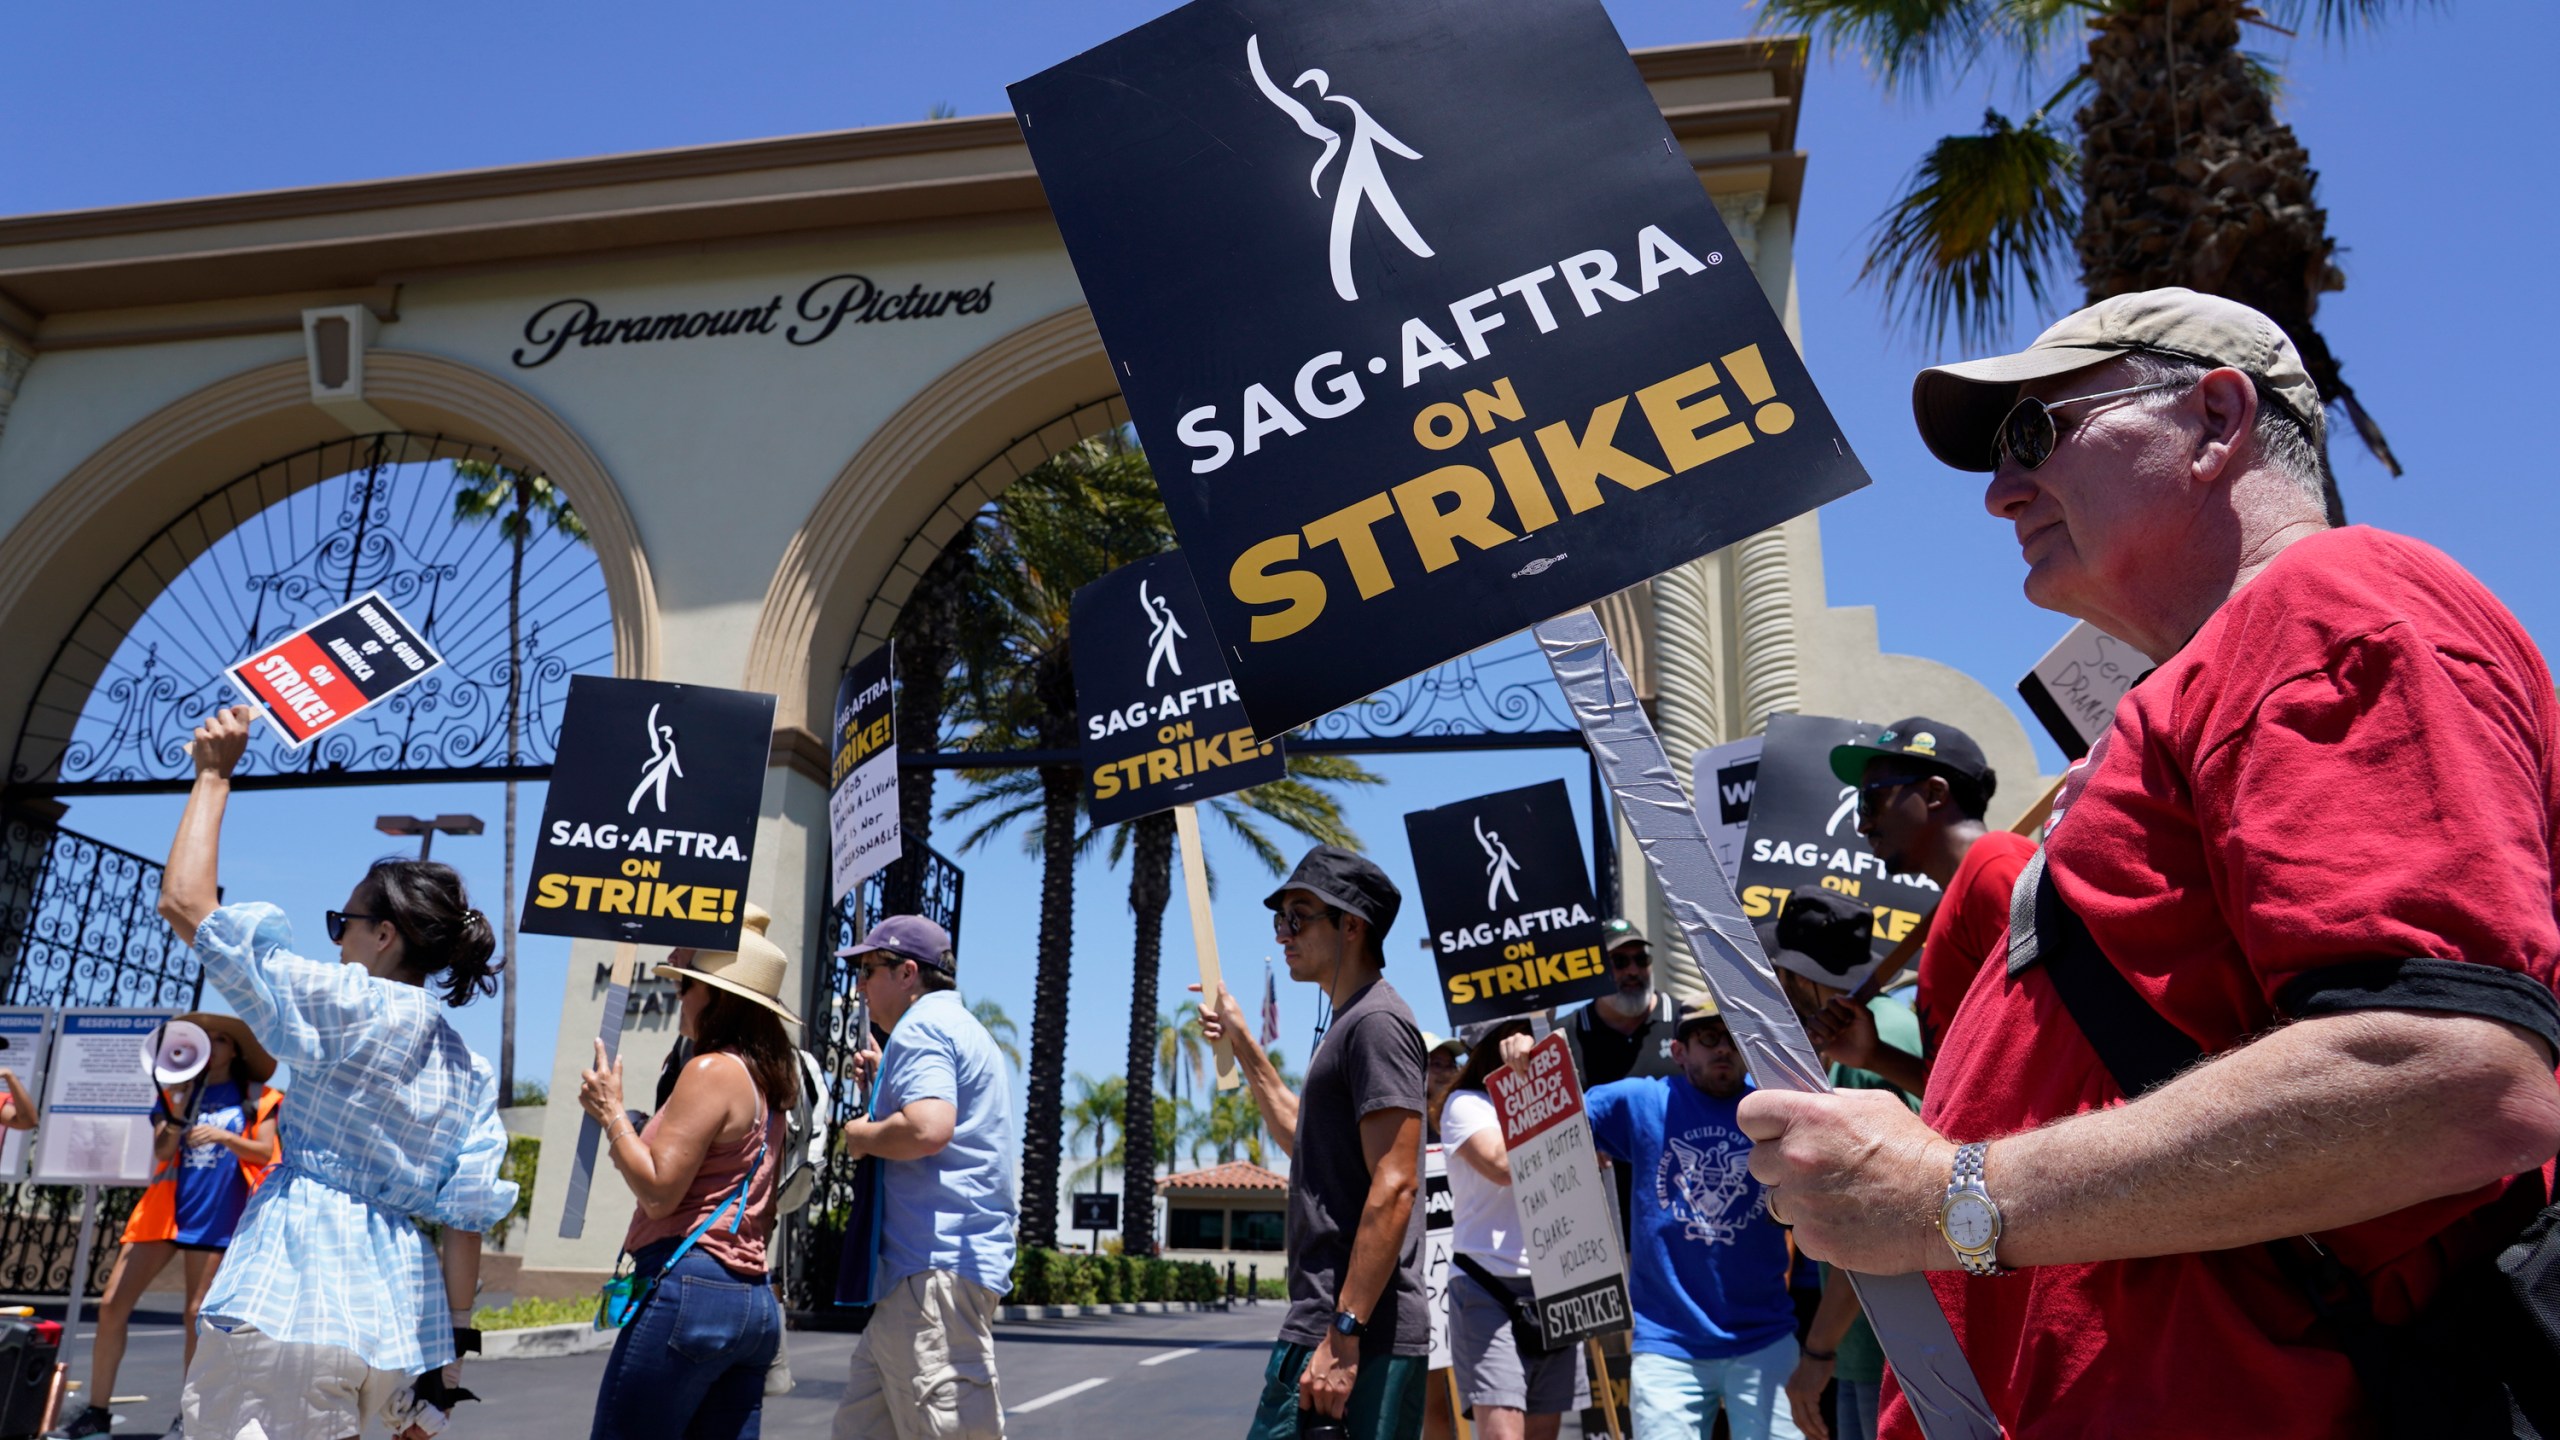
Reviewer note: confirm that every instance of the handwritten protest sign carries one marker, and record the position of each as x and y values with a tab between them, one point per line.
334	669
862	803
2075	687
1567	1211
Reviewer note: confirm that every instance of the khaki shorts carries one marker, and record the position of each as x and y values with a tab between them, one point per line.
925	1367
246	1385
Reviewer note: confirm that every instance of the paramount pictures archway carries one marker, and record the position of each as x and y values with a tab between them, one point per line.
773	377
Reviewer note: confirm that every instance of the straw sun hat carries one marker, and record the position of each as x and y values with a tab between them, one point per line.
262	1066
755	969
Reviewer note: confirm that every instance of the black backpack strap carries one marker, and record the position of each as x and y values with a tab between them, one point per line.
2136	1043
1493	1286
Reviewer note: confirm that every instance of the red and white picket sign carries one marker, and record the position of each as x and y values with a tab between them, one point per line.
335	668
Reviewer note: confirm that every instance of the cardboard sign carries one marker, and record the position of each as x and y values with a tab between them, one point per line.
863	834
26	1033
650	827
97	1100
1723	778
1439	1242
1513	924
1430	327
1162	724
1804	831
2075	687
1568	1209
334	668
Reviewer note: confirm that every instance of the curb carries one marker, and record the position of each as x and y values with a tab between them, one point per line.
1008	1313
541	1342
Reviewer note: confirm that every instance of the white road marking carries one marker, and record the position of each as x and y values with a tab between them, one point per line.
1054	1396
1169	1355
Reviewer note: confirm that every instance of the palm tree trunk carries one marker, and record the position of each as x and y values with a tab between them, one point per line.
2189	179
1045	1110
1150	886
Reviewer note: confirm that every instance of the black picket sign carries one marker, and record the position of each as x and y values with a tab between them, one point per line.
1162	725
1429	328
1804	831
649	829
1514	927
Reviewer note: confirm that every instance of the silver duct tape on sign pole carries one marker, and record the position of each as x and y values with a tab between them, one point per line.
1913	1330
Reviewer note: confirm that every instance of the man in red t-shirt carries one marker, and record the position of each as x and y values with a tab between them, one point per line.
2318	841
1923	787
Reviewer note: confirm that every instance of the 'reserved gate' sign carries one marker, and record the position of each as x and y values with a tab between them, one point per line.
1513	924
1430	327
329	671
1162	726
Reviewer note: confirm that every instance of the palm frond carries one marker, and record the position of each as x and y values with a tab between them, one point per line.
1987	218
1922	45
2337	19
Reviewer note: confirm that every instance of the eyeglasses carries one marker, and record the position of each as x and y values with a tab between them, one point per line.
337	922
1290	922
1871	794
1634	958
2027	433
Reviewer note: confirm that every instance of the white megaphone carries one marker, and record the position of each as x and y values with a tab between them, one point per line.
178	1052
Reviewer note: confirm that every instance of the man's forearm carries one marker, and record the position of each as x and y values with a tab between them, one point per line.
1377	1244
1277	1102
896	1138
1900	1067
1833	1317
2317	1125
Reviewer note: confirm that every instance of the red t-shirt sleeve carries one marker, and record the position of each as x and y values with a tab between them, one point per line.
2392	804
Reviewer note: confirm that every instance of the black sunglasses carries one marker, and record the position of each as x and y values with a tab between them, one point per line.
1871	794
337	923
2028	435
1631	958
1285	921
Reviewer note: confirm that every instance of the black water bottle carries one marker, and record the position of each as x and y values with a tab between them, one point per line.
1316	1425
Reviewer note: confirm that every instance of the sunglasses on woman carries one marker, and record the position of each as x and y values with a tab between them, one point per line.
337	921
2028	435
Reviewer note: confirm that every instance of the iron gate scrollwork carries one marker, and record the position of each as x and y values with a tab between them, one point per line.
921	882
79	926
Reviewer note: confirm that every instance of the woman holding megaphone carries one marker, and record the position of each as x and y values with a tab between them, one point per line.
213	1136
332	1314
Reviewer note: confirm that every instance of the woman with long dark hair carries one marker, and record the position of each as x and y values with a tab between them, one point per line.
691	1358
1511	1390
330	1314
211	1142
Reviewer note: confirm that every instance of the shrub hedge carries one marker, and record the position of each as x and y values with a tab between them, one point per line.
1058	1277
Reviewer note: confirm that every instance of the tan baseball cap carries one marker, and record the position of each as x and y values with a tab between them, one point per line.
1960	406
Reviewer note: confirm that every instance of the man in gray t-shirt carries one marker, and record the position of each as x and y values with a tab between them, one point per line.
1358	1334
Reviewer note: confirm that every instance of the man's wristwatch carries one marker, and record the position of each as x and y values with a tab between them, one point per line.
1968	1217
1347	1324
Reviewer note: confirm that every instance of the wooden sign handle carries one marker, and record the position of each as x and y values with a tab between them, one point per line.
582	1166
1204	931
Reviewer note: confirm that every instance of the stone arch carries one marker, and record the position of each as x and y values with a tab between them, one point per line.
92	521
908	491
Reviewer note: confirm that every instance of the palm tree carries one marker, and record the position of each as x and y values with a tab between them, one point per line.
2182	174
1180	1049
1232	1129
1000	1028
515	499
1097	1107
932	636
1069	522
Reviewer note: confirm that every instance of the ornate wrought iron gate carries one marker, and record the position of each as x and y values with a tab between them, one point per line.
79	925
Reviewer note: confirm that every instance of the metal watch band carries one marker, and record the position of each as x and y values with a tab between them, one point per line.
1967	1178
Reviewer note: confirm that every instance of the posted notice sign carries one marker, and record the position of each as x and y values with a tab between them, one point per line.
334	668
650	826
862	806
2075	687
1162	723
24	1035
1804	831
98	1098
1430	327
1567	1210
1513	924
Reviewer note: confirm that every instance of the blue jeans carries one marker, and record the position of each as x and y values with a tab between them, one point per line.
1676	1399
692	1363
1860	1403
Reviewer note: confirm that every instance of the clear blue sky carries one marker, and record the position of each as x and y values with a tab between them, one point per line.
2427	134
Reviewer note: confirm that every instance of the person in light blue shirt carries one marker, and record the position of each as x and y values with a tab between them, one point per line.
1708	1273
333	1312
941	1128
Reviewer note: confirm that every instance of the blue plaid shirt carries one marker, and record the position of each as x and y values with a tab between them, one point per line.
392	1117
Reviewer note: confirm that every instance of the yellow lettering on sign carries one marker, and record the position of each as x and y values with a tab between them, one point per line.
1301	592
1350	528
1435	530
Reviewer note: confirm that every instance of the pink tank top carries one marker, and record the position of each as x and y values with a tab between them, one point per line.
742	1249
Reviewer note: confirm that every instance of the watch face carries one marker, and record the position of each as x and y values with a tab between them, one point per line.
1970	1223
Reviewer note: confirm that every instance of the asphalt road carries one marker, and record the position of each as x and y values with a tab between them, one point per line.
1119	1377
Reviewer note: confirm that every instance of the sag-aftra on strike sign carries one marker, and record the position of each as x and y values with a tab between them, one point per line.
1429	328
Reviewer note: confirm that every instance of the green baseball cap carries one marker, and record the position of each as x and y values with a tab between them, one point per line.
1959	407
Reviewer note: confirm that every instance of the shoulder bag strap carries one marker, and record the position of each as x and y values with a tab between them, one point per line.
1493	1286
737	1197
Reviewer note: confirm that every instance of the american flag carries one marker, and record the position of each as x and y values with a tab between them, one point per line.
1270	1006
